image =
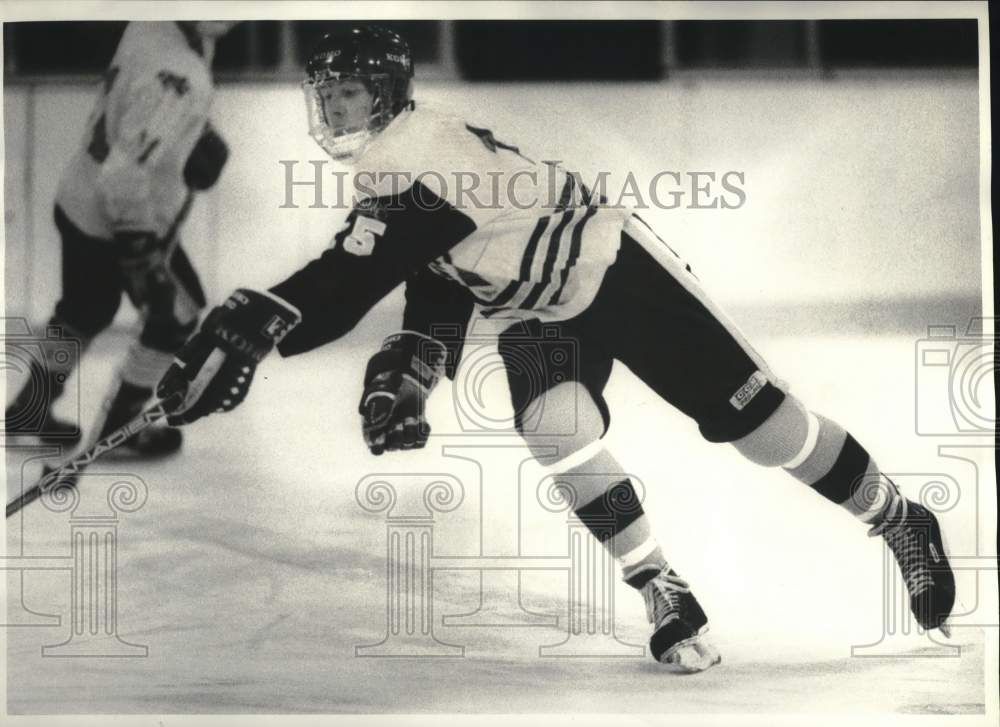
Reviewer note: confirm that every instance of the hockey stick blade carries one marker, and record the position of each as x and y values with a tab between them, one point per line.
68	474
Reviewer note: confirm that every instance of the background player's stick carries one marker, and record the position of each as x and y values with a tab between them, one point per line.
67	474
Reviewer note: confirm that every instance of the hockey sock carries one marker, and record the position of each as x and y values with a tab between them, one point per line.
639	572
837	467
612	510
617	519
144	366
139	374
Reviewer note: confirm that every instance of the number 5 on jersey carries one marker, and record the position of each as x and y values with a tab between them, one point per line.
362	239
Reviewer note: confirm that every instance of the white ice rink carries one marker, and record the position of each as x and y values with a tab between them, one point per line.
251	573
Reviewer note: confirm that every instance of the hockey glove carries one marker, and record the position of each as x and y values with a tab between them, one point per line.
204	165
142	260
214	369
397	382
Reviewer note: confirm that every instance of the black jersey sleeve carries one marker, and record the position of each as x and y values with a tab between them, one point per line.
439	308
384	240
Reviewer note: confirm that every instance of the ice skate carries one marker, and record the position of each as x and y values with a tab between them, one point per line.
45	426
678	625
913	534
157	440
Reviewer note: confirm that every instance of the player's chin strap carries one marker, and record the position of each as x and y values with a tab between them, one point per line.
67	474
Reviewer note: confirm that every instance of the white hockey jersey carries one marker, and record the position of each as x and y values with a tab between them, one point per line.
440	195
541	243
153	104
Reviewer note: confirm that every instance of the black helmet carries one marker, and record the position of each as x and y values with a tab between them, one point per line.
378	58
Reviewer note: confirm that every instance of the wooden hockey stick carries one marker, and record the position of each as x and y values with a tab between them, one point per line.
67	474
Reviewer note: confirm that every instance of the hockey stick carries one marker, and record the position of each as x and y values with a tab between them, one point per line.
67	474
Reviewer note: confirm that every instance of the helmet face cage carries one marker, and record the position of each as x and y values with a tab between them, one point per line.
347	143
373	56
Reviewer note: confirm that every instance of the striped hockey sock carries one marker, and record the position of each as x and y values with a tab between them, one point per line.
617	519
837	467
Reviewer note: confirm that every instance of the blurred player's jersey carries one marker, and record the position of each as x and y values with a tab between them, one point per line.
153	104
541	242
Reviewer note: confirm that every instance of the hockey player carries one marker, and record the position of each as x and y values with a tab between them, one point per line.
147	148
570	265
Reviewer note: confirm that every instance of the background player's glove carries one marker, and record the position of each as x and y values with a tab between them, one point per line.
214	369
204	165
397	381
142	259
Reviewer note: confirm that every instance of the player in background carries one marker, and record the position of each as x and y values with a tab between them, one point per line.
565	263
148	147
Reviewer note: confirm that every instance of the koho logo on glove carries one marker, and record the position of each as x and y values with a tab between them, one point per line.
277	328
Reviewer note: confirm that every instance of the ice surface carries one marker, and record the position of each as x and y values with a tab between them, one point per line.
251	573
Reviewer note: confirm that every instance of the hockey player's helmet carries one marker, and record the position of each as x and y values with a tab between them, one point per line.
374	56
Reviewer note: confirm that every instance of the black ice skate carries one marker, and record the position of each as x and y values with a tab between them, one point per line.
44	426
157	440
914	536
678	625
30	413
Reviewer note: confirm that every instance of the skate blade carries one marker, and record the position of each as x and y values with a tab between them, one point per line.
692	656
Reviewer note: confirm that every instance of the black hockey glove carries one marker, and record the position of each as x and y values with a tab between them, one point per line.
142	260
213	371
204	165
397	382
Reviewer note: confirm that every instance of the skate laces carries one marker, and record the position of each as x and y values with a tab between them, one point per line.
895	516
905	543
662	595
